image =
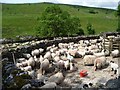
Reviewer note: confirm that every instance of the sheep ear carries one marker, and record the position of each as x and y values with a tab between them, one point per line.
111	61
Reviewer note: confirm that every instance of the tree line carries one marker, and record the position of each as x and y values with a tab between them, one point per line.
55	22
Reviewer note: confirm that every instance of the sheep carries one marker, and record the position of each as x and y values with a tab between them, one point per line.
114	67
53	49
89	59
72	52
73	67
56	58
41	59
21	60
35	52
60	45
82	53
24	63
57	53
37	62
87	51
31	62
77	55
87	42
99	54
41	50
58	78
107	53
115	53
36	59
100	63
67	64
44	65
63	57
53	55
60	64
70	57
18	65
93	41
31	73
111	37
92	47
48	55
48	48
27	68
27	56
39	74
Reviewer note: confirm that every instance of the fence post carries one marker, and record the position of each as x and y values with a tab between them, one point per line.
110	45
119	61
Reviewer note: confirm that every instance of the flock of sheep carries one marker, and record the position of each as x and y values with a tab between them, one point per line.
57	60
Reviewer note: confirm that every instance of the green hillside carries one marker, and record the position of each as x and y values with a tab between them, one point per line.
20	19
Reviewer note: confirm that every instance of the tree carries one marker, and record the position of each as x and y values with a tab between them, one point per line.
80	32
118	14
90	29
55	22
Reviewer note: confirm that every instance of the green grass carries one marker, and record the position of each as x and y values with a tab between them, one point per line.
20	19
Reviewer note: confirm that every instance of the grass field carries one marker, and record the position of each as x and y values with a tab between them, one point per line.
20	19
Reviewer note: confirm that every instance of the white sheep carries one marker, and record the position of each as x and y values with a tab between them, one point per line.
36	59
48	55
93	41
48	48
82	53
67	64
53	55
18	65
35	52
99	54
41	58
115	53
44	65
31	62
60	64
73	67
39	74
27	68
57	53
72	52
114	67
21	60
56	58
53	49
31	73
100	63
60	45
24	63
41	50
57	78
93	47
26	55
89	59
70	57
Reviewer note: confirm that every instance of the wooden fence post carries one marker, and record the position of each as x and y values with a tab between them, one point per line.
110	45
119	61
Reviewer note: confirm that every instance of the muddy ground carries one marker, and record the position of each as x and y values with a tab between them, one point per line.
100	76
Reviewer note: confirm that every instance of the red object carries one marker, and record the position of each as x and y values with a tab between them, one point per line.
83	73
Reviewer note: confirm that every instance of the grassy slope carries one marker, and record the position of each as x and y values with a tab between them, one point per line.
21	19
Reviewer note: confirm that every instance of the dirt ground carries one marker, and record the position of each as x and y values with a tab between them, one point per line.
99	76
